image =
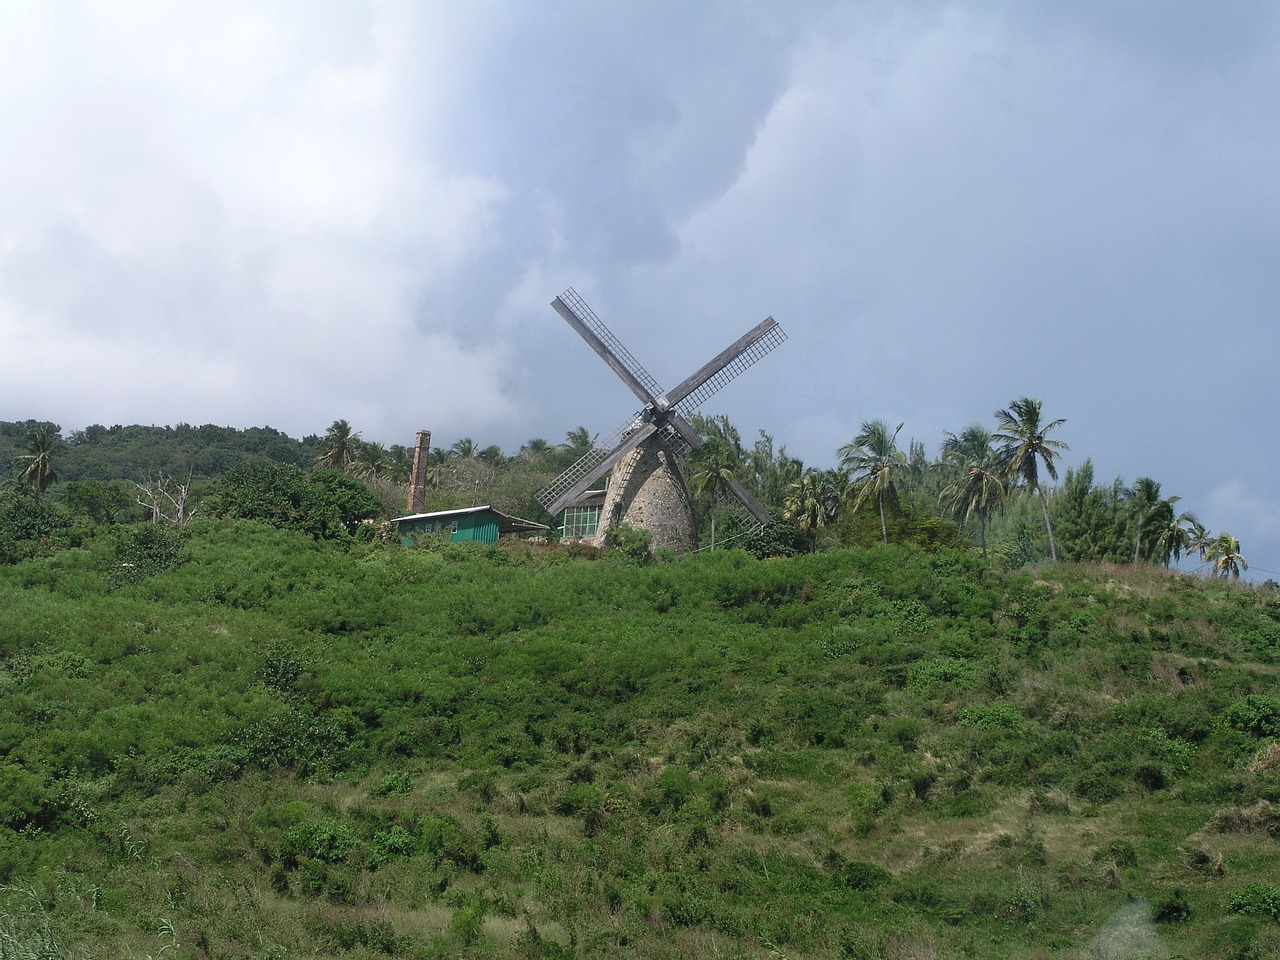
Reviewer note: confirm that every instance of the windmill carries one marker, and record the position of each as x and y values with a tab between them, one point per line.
646	453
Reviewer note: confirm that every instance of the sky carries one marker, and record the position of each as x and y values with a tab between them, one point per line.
285	213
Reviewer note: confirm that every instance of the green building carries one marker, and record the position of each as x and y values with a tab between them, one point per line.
483	524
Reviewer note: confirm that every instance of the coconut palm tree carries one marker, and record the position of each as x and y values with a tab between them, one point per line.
36	465
399	462
973	445
464	449
1199	540
979	492
577	440
1149	510
1024	448
716	464
339	448
875	465
811	503
372	462
1174	534
535	449
1225	555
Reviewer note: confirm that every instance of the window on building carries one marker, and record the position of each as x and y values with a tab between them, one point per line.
580	522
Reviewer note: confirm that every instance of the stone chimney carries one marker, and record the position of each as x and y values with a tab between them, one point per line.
418	481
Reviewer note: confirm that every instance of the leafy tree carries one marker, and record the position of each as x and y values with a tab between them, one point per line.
1091	523
771	473
875	465
28	527
340	447
327	504
1025	448
104	502
1224	554
36	465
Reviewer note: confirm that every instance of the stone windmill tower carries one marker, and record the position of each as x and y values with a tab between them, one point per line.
647	488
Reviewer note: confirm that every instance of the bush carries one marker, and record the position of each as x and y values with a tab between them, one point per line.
146	550
1256	715
1257	899
1172	908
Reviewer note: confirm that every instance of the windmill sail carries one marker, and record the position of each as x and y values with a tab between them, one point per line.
601	339
726	365
571	484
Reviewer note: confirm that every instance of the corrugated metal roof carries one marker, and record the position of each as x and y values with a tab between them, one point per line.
506	523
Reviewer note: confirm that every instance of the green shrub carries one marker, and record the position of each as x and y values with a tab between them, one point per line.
328	842
994	717
1256	715
939	671
1171	908
145	551
1257	899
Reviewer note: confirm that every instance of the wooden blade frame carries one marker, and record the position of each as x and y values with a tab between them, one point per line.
690	435
578	315
728	363
629	443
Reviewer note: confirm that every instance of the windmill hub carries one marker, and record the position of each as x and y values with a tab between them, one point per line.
647	488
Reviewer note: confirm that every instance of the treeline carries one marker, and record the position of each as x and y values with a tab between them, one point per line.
996	487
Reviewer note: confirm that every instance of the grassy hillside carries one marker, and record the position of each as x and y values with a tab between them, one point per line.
251	744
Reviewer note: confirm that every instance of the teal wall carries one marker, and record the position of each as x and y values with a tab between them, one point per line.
481	526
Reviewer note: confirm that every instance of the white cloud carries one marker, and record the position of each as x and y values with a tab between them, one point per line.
1235	508
232	213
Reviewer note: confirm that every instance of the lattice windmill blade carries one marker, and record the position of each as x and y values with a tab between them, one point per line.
752	507
591	328
595	463
726	365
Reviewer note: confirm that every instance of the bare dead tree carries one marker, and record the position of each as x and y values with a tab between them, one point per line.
165	498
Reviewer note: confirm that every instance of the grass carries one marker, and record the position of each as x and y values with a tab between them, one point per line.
271	746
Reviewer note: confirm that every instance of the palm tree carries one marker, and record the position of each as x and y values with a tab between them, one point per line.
1024	448
492	455
811	503
577	440
464	449
37	463
874	464
1199	540
399	463
372	462
1148	510
979	492
1224	553
535	449
973	445
715	465
1174	535
339	448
